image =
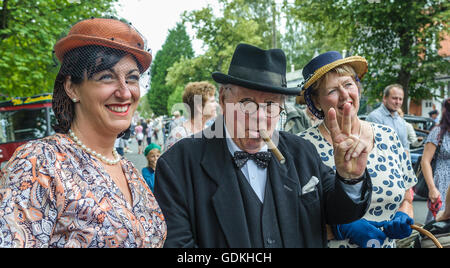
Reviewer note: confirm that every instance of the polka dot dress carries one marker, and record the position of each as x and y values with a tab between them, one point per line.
389	167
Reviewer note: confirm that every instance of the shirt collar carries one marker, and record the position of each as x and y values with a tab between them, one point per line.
387	112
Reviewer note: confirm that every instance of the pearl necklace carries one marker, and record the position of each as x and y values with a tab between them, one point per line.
98	155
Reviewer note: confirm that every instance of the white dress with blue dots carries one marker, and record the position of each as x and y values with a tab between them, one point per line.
389	167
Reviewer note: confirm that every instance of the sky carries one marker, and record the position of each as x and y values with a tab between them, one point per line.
154	18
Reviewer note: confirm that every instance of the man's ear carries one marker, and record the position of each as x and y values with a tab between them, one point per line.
71	89
222	97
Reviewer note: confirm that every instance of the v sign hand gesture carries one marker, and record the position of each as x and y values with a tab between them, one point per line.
350	152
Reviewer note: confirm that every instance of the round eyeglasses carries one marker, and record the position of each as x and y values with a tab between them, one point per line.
271	109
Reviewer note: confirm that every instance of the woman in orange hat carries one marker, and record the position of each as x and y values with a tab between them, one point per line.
332	89
73	189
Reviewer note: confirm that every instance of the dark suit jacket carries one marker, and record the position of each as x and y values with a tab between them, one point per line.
203	209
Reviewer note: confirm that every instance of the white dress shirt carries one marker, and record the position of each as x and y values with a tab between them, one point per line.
255	175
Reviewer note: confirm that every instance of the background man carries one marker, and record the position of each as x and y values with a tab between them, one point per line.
387	113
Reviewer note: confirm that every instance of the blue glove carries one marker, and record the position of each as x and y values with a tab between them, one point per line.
361	232
399	227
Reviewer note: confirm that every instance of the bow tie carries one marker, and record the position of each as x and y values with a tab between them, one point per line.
261	159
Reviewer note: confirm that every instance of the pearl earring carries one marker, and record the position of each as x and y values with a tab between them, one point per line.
74	100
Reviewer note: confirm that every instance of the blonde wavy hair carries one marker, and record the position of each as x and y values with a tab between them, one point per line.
192	89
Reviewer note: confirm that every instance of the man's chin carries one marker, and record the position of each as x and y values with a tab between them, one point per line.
252	145
392	110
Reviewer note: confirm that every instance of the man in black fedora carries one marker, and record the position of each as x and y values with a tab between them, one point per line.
223	188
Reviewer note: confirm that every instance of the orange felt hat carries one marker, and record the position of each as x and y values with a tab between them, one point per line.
111	33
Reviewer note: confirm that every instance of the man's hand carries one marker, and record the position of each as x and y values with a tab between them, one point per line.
350	152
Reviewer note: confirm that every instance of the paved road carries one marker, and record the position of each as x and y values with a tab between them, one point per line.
420	212
138	160
420	207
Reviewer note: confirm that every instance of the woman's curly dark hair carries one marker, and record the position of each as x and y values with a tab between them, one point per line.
79	64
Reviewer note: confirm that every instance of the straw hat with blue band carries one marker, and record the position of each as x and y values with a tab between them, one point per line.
321	65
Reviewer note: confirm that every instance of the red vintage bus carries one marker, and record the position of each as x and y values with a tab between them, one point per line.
22	120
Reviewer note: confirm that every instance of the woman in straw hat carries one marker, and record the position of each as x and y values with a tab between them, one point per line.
332	88
72	189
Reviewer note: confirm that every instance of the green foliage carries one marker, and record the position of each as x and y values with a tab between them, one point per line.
184	71
28	32
242	22
306	36
177	46
144	108
400	39
221	35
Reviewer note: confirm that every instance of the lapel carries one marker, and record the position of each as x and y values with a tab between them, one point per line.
285	187
227	201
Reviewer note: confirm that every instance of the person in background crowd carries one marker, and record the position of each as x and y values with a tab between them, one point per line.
438	181
126	137
144	129
152	152
413	140
223	189
74	189
119	144
149	133
434	115
176	121
158	136
199	98
296	119
139	129
333	83
387	113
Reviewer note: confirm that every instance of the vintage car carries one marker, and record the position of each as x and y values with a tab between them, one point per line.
22	120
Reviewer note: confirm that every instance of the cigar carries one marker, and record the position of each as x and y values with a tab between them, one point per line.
272	146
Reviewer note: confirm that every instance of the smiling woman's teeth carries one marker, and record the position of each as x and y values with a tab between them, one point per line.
119	109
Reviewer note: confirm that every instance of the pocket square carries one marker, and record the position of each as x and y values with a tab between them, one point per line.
310	186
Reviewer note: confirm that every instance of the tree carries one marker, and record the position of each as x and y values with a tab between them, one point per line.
144	108
305	38
176	46
400	39
28	32
220	36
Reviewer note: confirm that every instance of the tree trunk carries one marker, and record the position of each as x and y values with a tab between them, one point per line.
404	78
404	75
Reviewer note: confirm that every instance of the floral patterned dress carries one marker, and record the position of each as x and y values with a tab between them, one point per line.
389	167
54	194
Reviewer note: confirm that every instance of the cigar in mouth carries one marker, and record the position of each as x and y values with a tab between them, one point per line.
272	146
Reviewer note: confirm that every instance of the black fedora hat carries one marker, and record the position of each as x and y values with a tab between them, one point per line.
258	69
